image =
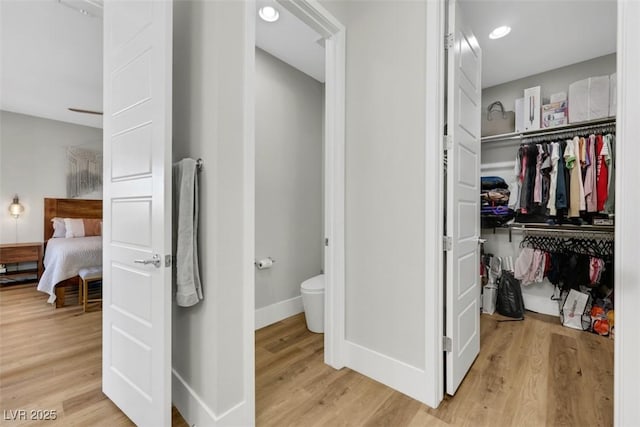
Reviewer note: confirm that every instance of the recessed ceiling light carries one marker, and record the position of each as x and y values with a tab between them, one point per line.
500	32
269	14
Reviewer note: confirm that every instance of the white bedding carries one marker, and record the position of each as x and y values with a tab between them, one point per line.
65	257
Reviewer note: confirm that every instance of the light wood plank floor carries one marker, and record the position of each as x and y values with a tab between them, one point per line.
52	360
530	373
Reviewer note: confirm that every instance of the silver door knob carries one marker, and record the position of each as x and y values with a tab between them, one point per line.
155	261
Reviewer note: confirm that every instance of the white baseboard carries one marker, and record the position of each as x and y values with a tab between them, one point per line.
196	413
398	375
273	313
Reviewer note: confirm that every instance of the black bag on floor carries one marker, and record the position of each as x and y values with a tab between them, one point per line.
509	301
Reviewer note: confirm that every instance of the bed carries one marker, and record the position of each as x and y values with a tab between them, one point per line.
64	257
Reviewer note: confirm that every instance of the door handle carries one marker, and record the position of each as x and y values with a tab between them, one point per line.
155	260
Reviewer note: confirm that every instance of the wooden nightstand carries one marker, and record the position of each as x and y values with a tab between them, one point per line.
14	253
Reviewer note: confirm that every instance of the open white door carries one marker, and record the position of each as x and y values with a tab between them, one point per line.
136	370
463	199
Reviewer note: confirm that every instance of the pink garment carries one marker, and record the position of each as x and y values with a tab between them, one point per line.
523	264
596	267
581	146
602	172
537	187
523	173
573	165
590	189
530	266
540	262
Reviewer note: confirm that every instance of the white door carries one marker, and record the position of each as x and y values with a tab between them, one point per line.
136	370
463	197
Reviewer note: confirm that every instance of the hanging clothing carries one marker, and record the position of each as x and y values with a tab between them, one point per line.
590	189
516	186
522	178
609	205
537	187
596	266
567	175
602	172
583	203
530	266
561	188
553	178
564	179
530	153
571	154
545	169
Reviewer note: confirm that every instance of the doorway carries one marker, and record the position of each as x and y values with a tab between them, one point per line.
601	65
299	170
289	229
330	35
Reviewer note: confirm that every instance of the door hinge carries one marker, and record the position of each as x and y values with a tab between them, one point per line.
447	142
168	260
448	41
447	243
447	344
326	241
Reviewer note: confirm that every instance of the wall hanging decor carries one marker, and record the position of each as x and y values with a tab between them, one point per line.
84	172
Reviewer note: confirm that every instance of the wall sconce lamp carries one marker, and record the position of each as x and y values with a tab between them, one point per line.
16	209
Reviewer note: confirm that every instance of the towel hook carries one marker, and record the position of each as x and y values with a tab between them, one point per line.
199	164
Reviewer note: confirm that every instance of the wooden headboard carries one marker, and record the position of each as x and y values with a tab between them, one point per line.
68	208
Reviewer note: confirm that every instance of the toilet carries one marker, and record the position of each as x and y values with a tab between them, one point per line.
312	291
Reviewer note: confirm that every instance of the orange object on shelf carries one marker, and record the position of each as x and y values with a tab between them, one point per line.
601	327
597	311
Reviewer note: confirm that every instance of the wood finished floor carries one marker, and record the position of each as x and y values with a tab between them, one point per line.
52	360
530	373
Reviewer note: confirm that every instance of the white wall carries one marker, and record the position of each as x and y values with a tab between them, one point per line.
627	268
213	359
288	178
33	165
385	190
552	81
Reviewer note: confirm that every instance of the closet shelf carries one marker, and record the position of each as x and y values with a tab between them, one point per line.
548	131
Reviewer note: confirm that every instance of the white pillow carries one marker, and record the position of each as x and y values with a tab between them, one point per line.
59	229
74	227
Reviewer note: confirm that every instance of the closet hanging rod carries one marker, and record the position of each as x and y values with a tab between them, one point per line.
603	232
567	233
573	128
569	134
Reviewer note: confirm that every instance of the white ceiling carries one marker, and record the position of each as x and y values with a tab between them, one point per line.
51	60
545	34
291	41
52	54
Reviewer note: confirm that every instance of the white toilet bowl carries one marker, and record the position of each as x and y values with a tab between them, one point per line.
312	291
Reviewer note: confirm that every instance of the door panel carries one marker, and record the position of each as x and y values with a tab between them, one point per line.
137	209
463	199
